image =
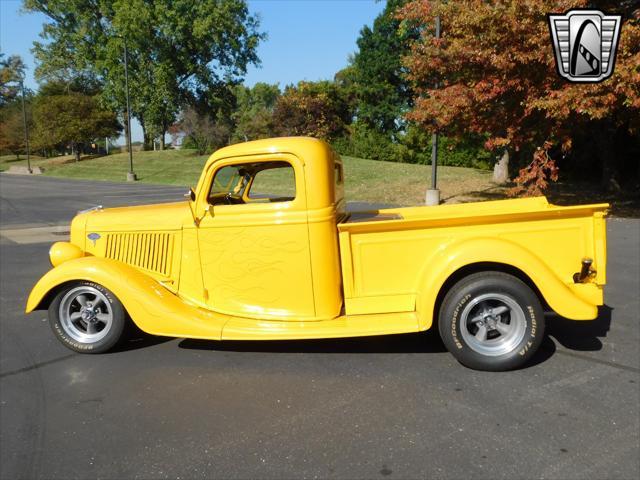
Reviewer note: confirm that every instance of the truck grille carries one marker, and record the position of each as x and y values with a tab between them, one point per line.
149	251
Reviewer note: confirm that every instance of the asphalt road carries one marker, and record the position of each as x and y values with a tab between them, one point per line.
384	407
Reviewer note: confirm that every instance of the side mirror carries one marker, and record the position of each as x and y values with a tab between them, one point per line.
210	210
191	195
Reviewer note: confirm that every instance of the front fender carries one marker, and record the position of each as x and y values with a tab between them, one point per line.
564	300
152	307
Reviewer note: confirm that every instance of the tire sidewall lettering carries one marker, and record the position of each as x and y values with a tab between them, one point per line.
103	290
62	336
455	320
532	316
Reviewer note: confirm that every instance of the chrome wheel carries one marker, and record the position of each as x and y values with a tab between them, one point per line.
85	314
493	324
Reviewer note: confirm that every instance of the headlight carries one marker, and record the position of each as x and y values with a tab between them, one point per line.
61	252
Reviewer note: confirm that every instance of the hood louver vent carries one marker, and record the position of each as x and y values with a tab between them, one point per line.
149	251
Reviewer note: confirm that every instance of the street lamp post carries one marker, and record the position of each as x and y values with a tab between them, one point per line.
26	128
433	193
131	176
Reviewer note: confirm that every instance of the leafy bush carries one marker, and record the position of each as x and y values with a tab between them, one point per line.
469	152
366	143
413	146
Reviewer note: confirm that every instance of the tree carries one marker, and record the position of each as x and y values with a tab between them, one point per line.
317	109
74	119
253	115
12	128
383	95
496	72
177	50
84	85
11	76
201	131
12	134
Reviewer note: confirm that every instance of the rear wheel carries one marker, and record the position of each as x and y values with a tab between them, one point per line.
491	321
87	318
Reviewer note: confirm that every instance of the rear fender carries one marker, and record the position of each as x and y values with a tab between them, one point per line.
559	296
152	307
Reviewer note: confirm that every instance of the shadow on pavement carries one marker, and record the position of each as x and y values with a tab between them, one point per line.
424	342
571	334
134	339
544	353
427	342
581	335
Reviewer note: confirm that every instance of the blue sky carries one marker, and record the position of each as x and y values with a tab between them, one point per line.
307	39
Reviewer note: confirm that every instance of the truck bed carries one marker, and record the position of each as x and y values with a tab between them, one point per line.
387	253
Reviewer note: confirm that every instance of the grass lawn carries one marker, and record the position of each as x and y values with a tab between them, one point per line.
405	183
365	180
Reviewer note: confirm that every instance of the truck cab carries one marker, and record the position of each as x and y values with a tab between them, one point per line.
265	228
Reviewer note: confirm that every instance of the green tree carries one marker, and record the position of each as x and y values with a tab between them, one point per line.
177	50
74	119
383	95
11	75
85	85
253	116
318	109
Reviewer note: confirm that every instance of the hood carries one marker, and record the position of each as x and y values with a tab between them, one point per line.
161	216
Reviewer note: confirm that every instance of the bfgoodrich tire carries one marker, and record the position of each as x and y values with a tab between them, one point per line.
491	321
87	318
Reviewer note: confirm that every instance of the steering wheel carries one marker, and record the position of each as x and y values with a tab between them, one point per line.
231	199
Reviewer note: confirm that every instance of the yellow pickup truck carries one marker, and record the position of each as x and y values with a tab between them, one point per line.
264	248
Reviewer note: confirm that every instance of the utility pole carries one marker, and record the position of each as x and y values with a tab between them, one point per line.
433	194
26	128
131	176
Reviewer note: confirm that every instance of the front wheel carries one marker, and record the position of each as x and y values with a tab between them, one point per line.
491	321
87	318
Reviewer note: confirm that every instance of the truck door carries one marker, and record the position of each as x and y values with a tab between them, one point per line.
254	239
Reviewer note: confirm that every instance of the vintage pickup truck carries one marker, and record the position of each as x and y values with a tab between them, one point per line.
264	249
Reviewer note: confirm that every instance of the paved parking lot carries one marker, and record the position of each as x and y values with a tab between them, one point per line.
383	407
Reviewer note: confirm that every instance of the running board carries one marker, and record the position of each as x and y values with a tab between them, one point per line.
344	326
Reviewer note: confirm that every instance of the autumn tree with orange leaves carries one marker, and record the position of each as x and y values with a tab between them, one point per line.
495	71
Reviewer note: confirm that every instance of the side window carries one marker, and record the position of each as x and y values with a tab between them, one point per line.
259	182
277	183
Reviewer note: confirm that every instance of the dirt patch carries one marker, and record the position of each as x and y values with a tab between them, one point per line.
23	170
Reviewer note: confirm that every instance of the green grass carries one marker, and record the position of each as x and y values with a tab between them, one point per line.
405	183
170	167
365	180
